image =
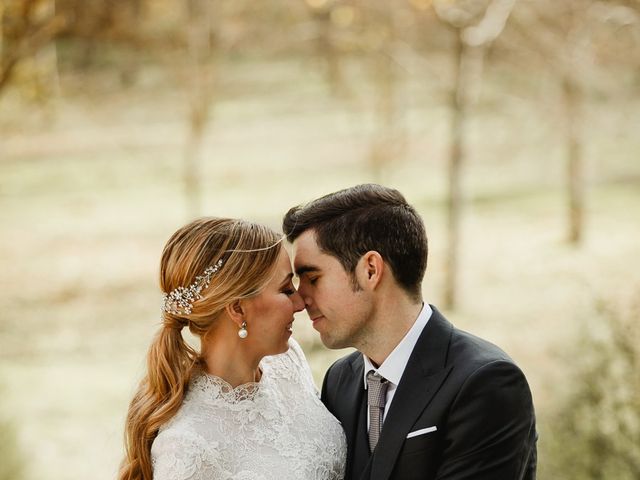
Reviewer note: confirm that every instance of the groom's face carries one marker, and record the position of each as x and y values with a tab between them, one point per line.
339	311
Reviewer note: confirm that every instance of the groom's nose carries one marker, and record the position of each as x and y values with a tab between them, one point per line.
307	300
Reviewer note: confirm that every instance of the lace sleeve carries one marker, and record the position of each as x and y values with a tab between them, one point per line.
182	456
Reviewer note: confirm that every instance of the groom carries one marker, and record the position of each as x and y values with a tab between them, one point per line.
420	399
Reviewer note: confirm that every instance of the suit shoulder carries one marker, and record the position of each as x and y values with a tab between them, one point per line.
335	376
460	349
347	361
343	364
474	352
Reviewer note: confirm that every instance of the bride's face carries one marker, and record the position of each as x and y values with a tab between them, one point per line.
270	314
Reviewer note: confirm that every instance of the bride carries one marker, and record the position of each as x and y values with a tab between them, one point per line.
245	406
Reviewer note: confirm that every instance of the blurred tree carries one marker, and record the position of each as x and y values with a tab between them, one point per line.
98	23
323	15
559	39
370	31
203	54
563	33
11	459
11	462
475	26
27	28
388	143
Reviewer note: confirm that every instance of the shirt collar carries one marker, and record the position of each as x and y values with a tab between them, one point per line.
393	367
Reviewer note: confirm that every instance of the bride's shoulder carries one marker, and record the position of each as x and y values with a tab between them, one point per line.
176	438
181	453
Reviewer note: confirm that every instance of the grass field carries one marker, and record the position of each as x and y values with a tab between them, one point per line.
88	200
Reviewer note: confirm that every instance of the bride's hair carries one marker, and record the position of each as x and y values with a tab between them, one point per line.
249	253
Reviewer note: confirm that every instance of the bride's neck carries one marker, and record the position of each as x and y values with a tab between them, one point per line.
228	359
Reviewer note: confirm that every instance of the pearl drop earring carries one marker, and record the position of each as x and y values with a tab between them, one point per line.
242	333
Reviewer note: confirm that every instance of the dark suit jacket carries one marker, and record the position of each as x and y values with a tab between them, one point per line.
469	389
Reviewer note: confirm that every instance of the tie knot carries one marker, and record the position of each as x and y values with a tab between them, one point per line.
377	386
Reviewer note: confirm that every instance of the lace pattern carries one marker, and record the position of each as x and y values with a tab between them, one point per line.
273	429
218	389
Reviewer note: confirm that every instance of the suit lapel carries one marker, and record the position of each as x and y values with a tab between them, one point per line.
352	388
361	455
425	372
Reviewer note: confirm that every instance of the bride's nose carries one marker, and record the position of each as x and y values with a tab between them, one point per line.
298	303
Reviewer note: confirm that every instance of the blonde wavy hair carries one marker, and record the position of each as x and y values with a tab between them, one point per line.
249	252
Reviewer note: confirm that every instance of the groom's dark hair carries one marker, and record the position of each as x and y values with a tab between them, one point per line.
353	221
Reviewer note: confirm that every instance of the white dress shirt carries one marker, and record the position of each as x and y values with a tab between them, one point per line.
393	366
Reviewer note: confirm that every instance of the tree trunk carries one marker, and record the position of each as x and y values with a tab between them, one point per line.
387	143
9	42
328	52
470	46
23	35
46	76
201	50
467	79
3	40
574	152
193	172
459	97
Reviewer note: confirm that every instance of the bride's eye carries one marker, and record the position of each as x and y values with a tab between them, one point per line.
289	290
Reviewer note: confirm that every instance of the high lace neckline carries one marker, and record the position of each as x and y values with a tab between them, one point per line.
216	387
276	428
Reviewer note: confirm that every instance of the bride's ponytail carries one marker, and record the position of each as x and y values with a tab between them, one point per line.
169	365
245	255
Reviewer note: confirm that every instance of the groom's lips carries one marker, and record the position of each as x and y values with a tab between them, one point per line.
316	319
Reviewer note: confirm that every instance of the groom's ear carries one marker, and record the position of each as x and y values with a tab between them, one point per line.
370	269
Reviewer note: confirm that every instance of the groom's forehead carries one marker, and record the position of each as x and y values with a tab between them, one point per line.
304	261
305	246
307	256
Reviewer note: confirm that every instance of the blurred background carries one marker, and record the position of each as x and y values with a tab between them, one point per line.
513	126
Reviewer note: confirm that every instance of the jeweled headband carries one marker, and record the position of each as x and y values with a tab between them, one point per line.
180	300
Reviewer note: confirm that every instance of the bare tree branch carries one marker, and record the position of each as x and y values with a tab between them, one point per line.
34	38
491	25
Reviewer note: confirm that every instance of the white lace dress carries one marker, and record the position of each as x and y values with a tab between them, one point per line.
276	429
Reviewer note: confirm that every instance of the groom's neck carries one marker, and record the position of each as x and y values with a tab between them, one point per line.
391	319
